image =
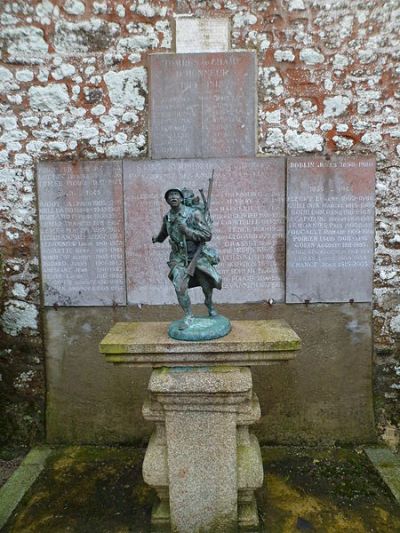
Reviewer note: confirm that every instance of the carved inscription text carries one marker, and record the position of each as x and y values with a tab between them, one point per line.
81	233
202	105
330	232
249	225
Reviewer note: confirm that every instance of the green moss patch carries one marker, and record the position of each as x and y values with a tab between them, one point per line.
324	490
87	489
97	489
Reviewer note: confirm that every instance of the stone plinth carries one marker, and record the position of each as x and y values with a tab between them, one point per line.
251	342
202	460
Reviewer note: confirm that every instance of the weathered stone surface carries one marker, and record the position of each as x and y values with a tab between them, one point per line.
197	413
6	80
205	34
89	400
330	229
81	233
17	486
249	343
207	381
322	396
249	226
19	316
52	98
24	44
127	87
191	101
87	36
202	471
388	466
74	7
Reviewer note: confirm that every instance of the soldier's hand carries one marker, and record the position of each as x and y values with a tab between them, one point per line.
182	226
154	239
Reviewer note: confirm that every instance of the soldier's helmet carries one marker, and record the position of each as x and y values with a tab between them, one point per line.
175	189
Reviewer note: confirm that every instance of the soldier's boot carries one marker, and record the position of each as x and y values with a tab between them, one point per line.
184	302
209	304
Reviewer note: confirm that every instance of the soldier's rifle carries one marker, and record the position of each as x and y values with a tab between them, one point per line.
192	265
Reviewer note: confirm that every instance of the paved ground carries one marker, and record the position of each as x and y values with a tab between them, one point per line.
100	490
10	459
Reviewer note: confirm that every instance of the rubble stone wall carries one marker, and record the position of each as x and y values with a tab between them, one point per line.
73	84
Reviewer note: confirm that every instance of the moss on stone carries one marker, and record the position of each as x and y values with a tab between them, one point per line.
325	490
88	489
21	392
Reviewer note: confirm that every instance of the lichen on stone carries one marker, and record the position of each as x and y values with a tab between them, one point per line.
19	316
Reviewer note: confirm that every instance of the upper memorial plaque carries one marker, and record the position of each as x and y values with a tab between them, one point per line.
82	233
202	34
330	229
202	105
248	210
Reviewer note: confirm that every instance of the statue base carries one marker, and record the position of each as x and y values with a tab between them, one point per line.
202	459
203	328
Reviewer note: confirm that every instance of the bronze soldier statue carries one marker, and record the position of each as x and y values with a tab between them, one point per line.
192	262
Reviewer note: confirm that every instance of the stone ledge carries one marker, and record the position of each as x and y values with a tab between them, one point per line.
251	342
388	466
21	481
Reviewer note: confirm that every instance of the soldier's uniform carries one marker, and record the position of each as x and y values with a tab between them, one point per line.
183	248
188	228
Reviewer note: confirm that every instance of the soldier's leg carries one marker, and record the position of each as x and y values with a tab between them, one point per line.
181	281
207	291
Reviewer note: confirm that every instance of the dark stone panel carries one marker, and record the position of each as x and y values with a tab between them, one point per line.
330	229
202	105
81	233
248	210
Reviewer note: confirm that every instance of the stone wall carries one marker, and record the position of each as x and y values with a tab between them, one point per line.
73	83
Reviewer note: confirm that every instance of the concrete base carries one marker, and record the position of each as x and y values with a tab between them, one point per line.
323	396
201	456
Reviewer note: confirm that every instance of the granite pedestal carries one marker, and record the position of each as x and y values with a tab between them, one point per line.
202	460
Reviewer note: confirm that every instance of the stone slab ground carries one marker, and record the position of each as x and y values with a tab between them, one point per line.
21	480
87	489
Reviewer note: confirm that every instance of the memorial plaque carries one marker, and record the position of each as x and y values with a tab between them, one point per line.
330	229
82	233
202	105
206	34
248	210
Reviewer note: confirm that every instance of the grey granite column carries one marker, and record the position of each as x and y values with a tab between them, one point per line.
204	446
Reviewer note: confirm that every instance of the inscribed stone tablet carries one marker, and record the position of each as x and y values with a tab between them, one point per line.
249	226
330	229
82	233
206	34
202	105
